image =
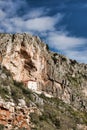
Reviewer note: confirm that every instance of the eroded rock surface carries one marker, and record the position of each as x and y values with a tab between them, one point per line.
30	62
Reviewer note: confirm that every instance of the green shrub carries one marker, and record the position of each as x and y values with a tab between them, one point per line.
1	127
3	92
34	118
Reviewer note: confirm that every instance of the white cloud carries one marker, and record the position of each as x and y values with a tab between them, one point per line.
80	56
68	45
64	42
41	24
36	24
36	13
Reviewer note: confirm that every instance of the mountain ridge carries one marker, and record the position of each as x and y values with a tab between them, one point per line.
31	62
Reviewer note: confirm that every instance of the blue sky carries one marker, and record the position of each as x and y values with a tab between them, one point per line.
62	24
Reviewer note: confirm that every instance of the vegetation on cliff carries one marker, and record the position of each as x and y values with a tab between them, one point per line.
59	103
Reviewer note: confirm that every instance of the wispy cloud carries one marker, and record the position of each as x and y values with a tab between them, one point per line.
80	56
64	42
36	12
68	45
39	24
12	7
33	20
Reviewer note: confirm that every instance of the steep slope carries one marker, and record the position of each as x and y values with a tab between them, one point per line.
22	109
14	102
63	81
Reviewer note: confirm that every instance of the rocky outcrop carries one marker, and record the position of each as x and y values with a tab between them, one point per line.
31	62
16	116
15	103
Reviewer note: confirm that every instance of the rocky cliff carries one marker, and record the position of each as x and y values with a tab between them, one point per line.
30	62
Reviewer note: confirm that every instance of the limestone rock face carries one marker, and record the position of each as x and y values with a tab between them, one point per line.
30	62
25	57
63	82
